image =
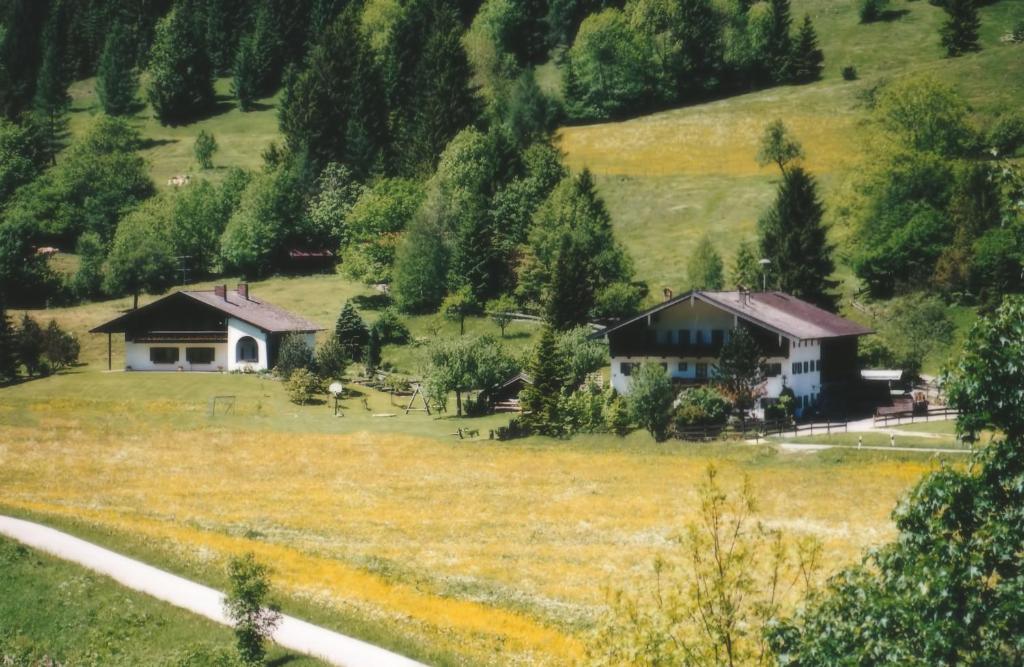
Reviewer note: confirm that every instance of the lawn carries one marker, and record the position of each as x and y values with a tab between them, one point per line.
454	551
51	609
942	440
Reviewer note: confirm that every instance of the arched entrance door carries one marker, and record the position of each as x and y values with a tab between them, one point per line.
247	351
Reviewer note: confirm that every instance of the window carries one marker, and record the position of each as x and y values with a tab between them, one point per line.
796	368
807	367
668	336
698	337
626	368
163	355
684	336
247	350
199	355
772	369
701	369
683	366
817	364
717	337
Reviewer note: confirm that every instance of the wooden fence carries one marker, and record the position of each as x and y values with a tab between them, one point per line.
755	430
910	416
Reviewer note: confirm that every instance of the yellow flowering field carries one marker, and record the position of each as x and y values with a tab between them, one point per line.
495	553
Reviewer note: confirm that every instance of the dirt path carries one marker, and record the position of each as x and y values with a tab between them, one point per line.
293	634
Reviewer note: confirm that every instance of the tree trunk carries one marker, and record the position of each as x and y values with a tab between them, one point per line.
135	302
458	403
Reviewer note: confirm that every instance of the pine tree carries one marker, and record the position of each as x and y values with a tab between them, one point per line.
746	269
794	239
116	79
8	351
181	76
779	43
960	31
569	298
706	270
21	47
52	100
351	332
807	59
29	345
540	401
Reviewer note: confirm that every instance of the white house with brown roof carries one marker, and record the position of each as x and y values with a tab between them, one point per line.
809	350
215	330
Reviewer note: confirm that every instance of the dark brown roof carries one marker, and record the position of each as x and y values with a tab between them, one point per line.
260	314
775	311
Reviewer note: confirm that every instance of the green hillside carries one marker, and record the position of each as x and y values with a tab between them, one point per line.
669	177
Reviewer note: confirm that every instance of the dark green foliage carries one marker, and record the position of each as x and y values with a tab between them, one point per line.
204	148
572	254
331	359
794	239
225	21
180	72
117	81
580	355
746	268
141	256
8	348
351	332
650	399
88	279
740	369
22	155
1007	135
21	51
849	73
428	83
778	146
245	77
372	226
29	345
248	606
60	348
421	267
198	216
25	278
458	305
975	206
371	355
619	300
871	10
779	43
959	34
705	270
701	406
464	363
391	328
948	589
51	100
807	59
540	401
294	353
913	327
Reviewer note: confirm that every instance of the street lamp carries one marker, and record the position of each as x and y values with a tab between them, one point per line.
764	273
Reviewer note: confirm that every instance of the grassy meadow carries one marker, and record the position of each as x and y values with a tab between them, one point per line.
391	528
56	610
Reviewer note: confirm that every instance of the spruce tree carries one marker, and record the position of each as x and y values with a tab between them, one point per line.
706	271
793	238
807	59
21	46
960	31
116	78
351	332
245	76
29	345
569	298
778	45
8	351
180	72
746	268
540	400
52	100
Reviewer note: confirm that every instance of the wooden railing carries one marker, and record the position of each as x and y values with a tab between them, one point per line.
911	416
756	430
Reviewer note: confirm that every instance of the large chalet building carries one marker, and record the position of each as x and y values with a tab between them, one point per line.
808	350
215	330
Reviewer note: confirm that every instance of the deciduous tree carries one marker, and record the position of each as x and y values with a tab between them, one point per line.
778	146
248	606
650	399
705	271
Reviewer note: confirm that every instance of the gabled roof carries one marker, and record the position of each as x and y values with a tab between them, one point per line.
776	311
260	314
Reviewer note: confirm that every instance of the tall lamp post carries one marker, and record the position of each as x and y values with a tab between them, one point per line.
764	273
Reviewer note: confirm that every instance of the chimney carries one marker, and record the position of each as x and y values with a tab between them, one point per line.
667	292
221	291
243	290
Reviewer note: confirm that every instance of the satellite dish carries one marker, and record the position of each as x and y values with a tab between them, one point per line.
335	389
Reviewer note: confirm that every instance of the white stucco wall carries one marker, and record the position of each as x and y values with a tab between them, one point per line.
238	329
136	357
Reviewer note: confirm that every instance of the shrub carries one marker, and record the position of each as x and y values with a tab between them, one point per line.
295	353
331	360
850	73
582	411
616	414
1007	135
871	10
700	406
650	399
302	386
516	429
60	348
247	606
391	328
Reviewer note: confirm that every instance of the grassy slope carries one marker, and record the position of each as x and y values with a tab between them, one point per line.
53	608
672	176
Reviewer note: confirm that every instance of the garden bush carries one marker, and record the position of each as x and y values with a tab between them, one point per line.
302	386
700	406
